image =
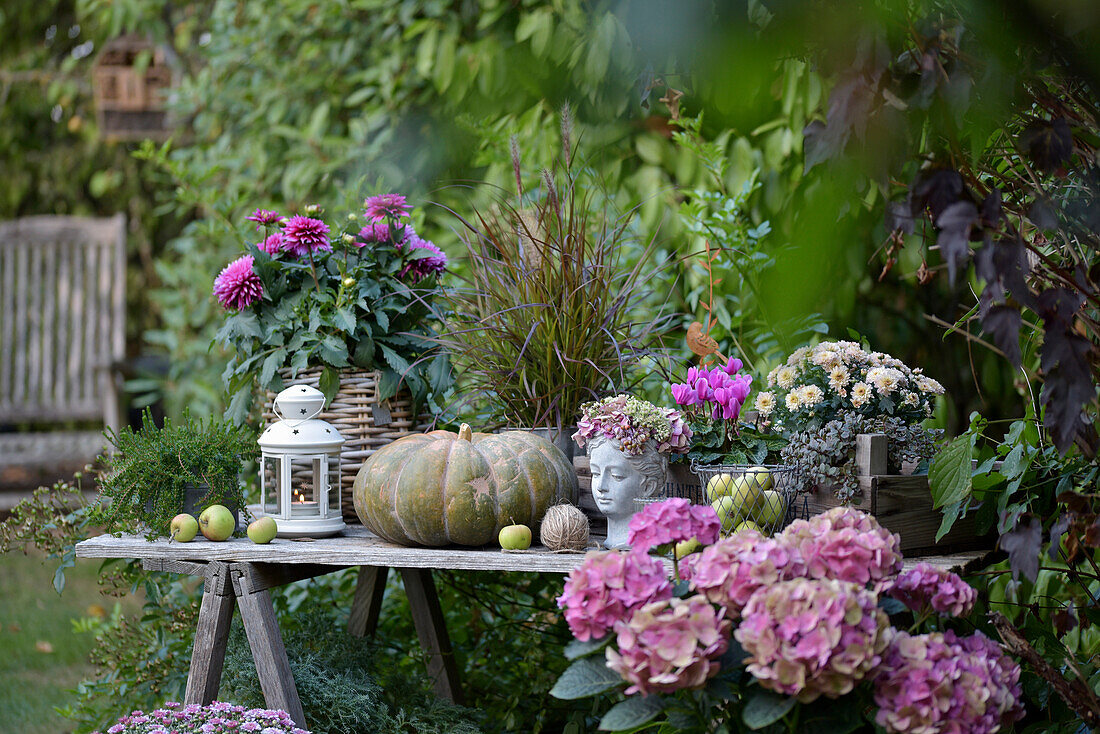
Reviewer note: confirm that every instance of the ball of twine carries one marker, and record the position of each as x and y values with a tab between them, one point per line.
564	528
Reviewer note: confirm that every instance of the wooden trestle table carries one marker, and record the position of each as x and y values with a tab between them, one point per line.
241	572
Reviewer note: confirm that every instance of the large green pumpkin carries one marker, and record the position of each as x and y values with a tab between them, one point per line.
440	487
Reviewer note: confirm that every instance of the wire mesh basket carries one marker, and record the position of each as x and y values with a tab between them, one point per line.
762	497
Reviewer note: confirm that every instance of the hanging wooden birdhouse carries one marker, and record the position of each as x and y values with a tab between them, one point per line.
130	81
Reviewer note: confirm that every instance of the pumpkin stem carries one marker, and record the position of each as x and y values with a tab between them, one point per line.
465	433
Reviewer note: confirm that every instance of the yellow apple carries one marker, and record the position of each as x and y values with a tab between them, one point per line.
686	547
727	513
749	525
720	485
515	537
770	509
761	477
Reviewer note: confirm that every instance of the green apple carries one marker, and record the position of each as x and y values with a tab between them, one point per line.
263	530
726	508
770	509
748	525
761	476
686	547
720	485
184	527
515	537
217	523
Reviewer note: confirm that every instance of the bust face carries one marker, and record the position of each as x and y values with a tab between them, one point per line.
615	481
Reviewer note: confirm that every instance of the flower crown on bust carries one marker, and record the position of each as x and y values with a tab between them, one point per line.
632	423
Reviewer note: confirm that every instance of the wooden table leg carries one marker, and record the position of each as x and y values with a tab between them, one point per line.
367	604
430	628
268	651
208	652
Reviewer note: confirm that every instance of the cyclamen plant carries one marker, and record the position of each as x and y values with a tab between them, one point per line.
778	632
215	718
303	296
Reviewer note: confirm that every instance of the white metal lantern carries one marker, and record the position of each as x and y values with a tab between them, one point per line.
300	467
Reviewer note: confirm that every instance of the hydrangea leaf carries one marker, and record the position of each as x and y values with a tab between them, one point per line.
949	476
582	648
631	713
586	677
764	707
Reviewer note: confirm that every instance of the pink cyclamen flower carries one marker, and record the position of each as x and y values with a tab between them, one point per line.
669	645
607	587
422	267
847	545
238	286
671	521
272	244
303	236
382	206
812	637
684	395
265	217
732	366
729	572
940	682
925	587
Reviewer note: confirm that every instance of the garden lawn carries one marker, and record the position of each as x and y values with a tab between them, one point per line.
43	658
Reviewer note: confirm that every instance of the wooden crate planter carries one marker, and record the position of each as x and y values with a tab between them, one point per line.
366	423
130	102
901	503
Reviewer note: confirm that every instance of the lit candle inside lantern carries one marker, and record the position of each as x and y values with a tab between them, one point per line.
302	508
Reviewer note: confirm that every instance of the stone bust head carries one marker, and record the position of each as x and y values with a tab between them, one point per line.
618	479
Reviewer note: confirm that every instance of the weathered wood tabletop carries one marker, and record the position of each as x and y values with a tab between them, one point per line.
240	573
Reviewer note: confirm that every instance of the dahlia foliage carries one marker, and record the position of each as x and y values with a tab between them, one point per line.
799	612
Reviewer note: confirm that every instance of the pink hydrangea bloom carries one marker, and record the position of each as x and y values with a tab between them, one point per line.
265	217
607	587
238	286
669	645
272	244
925	587
812	637
729	572
671	521
632	423
940	682
303	236
847	545
382	206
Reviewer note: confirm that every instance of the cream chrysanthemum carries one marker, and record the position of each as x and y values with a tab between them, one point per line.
785	377
839	378
861	393
809	395
793	401
928	385
765	403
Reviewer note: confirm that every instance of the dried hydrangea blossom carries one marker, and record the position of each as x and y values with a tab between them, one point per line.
632	423
671	521
729	572
939	682
812	637
927	588
607	587
669	645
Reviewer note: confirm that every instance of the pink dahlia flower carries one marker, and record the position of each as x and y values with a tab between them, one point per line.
847	545
940	682
733	569
925	587
238	286
671	521
812	637
382	206
272	244
424	266
303	236
607	587
669	645
375	232
265	218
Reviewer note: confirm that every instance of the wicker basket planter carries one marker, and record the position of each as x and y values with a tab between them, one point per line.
365	423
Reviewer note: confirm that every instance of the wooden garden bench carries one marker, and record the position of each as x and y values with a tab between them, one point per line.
239	572
63	297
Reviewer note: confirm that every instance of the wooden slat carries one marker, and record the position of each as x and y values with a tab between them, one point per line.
269	575
366	606
22	265
35	328
431	630
268	651
211	635
63	323
7	326
76	335
88	377
870	454
112	414
47	286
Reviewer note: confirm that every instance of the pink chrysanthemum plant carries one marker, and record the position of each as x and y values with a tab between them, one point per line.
357	296
217	717
760	628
